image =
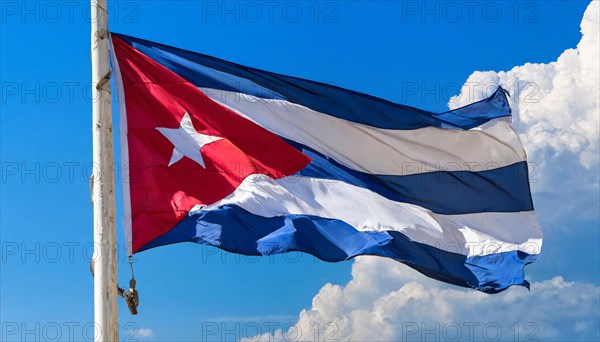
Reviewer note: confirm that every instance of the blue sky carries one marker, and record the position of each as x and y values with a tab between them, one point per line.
417	53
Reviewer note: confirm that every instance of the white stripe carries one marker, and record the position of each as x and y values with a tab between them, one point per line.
467	234
124	148
376	150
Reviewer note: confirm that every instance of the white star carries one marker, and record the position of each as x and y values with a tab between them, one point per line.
187	141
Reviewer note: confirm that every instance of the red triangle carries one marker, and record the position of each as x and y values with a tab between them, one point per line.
161	195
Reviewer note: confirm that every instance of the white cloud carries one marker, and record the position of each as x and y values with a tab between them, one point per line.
144	333
386	301
556	112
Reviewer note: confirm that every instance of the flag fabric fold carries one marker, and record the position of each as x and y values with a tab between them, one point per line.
259	163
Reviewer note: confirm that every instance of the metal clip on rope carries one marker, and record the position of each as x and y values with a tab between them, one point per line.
131	296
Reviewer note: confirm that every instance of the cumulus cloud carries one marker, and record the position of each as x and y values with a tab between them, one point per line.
144	333
556	112
386	301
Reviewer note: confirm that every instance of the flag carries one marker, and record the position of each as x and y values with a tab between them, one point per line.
259	163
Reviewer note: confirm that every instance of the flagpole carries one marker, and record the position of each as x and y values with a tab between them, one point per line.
103	182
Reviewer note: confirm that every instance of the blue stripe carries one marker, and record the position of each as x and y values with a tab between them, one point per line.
209	72
234	229
504	189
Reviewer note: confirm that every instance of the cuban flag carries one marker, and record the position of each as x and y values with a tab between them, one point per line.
258	163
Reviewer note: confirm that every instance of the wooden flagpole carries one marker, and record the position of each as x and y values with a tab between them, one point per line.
103	182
